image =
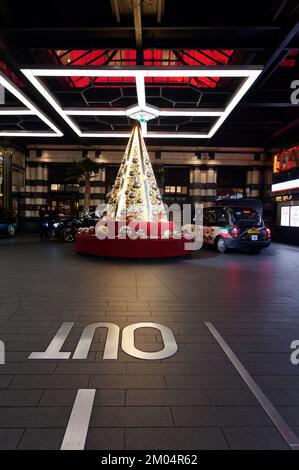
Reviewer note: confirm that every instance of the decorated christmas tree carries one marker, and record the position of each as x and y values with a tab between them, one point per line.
135	194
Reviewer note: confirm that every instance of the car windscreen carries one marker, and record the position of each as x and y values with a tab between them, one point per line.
245	215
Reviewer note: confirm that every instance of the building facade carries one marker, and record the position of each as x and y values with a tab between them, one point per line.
184	175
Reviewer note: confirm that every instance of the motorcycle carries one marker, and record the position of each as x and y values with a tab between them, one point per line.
66	228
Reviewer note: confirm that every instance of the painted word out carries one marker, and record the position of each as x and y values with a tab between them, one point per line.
53	351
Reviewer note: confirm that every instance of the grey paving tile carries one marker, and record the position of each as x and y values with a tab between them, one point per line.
189	339
49	381
247	330
16	356
105	439
121	293
8	330
193	329
146	337
37	330
203	347
145	416
9	438
28	346
231	398
160	368
67	398
265	358
207	358
28	368
277	382
127	382
293	395
214	368
42	439
166	398
244	438
274	369
271	348
38	417
19	322
175	438
109	398
291	414
5	380
25	338
268	339
81	367
218	416
204	382
279	397
58	398
19	397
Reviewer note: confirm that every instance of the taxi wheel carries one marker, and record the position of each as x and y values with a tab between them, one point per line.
220	245
11	231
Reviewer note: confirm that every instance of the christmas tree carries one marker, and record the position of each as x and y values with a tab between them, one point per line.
135	194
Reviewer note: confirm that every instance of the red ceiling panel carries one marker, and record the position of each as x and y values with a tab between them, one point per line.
153	58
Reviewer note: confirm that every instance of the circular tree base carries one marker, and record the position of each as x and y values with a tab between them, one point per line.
127	248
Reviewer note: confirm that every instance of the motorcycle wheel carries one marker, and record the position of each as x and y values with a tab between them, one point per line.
68	235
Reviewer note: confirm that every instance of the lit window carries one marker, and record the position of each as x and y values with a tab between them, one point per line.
72	188
57	187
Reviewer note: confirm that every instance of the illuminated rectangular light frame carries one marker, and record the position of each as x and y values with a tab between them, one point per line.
31	110
285	185
250	74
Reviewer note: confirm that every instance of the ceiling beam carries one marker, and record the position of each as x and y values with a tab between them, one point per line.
122	37
269	105
6	13
137	23
286	128
85	53
279	9
278	54
160	8
115	9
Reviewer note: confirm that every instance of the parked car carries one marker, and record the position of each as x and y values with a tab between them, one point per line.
8	223
235	227
65	228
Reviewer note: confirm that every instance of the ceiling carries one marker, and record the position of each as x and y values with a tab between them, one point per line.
151	34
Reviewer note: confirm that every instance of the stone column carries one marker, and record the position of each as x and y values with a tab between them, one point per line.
195	184
36	189
98	188
211	185
203	183
267	182
254	182
29	191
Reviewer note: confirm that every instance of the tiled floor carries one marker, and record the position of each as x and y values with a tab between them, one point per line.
194	399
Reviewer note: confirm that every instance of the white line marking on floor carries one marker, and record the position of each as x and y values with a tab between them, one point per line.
286	432
76	431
